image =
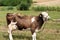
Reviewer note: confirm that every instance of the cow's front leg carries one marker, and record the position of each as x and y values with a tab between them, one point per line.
33	33
34	36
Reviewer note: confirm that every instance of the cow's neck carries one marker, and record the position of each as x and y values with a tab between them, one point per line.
40	21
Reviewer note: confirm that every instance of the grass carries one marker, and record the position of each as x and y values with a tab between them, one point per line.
50	32
46	8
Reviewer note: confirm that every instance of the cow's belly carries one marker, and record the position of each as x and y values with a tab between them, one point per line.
21	27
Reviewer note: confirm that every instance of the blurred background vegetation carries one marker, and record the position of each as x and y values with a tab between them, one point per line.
20	4
25	5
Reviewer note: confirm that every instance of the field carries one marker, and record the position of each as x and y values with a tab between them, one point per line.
51	28
47	2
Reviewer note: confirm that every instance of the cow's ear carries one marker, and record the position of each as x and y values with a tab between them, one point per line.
40	15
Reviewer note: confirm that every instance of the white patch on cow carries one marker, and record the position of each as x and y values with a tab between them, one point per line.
45	16
34	36
33	19
12	26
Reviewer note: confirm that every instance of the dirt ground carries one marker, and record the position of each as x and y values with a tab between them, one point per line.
47	2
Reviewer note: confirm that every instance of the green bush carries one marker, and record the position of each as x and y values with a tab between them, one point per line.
58	8
51	8
9	2
46	8
21	4
24	5
40	8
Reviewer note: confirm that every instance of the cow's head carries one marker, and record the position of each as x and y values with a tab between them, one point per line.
45	16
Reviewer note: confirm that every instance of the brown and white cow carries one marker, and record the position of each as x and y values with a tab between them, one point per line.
15	21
